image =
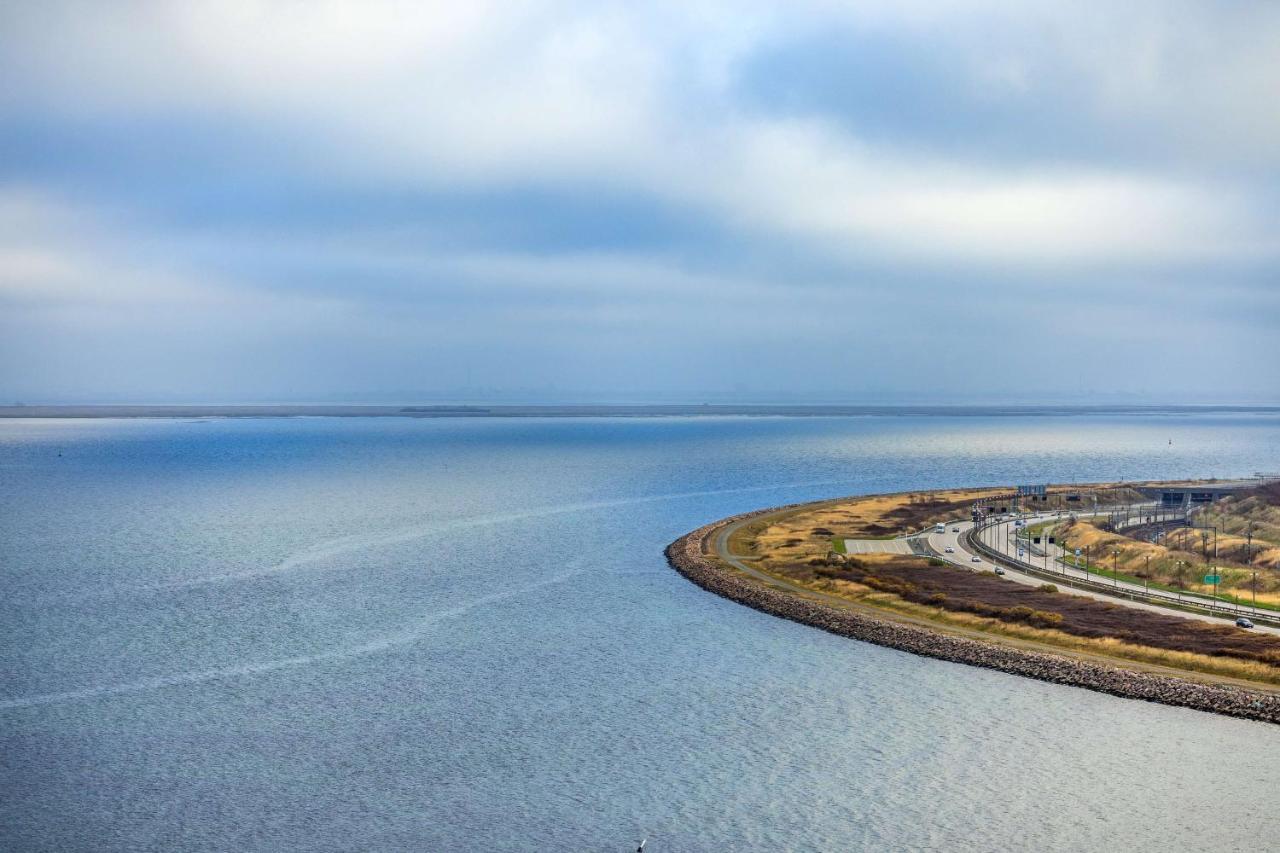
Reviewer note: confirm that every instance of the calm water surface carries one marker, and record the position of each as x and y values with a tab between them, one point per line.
342	634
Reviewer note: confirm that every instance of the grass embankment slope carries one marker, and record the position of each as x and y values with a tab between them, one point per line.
796	546
1257	512
1185	555
820	528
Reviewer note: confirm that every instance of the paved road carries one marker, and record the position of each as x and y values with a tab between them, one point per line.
720	544
877	546
964	557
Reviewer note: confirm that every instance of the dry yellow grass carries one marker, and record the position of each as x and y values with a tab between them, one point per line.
1231	548
783	544
1184	546
799	535
1105	646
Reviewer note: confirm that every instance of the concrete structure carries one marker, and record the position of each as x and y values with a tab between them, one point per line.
1185	494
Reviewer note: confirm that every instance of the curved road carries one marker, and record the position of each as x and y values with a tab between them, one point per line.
720	546
967	558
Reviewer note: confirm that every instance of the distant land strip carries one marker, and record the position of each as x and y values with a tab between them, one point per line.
601	411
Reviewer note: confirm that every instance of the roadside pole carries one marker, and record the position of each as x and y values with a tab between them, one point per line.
1248	561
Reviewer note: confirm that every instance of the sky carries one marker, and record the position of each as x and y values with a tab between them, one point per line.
620	202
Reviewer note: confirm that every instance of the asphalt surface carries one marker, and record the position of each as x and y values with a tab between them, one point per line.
1002	541
720	545
877	546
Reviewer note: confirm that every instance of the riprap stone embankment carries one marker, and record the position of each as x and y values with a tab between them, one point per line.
690	555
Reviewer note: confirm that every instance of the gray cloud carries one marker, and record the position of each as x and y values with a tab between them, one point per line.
275	200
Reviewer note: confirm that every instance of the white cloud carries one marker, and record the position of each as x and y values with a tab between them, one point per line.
639	102
448	95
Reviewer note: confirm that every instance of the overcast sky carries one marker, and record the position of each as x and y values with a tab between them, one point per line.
591	201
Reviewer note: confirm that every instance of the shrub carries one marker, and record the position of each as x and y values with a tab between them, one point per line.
1048	587
1045	619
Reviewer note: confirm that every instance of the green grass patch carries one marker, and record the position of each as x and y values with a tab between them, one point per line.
837	545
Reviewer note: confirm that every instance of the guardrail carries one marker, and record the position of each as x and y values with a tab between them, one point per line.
1140	516
1185	602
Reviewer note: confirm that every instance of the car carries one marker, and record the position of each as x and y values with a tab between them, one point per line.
950	550
955	530
999	570
976	560
1243	623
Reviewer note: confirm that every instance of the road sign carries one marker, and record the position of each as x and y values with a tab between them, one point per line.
1077	552
1213	578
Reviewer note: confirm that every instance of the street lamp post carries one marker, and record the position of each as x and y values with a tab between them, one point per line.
1248	561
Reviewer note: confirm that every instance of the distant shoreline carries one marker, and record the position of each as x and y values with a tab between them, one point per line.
613	411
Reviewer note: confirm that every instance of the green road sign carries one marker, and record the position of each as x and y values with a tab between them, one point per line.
1213	578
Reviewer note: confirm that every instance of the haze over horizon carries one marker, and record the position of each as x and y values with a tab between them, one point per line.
592	203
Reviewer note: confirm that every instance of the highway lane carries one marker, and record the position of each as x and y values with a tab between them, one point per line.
720	546
966	558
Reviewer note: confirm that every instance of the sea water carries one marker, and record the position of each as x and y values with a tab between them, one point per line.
439	635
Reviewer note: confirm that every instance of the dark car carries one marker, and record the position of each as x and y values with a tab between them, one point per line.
1243	623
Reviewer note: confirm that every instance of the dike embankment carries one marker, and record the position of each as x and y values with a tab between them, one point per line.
691	556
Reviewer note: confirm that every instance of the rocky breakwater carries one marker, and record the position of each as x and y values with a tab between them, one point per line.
689	555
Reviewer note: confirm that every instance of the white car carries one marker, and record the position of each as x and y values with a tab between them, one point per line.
976	560
999	570
955	530
950	550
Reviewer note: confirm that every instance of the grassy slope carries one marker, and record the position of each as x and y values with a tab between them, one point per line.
1179	563
784	546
